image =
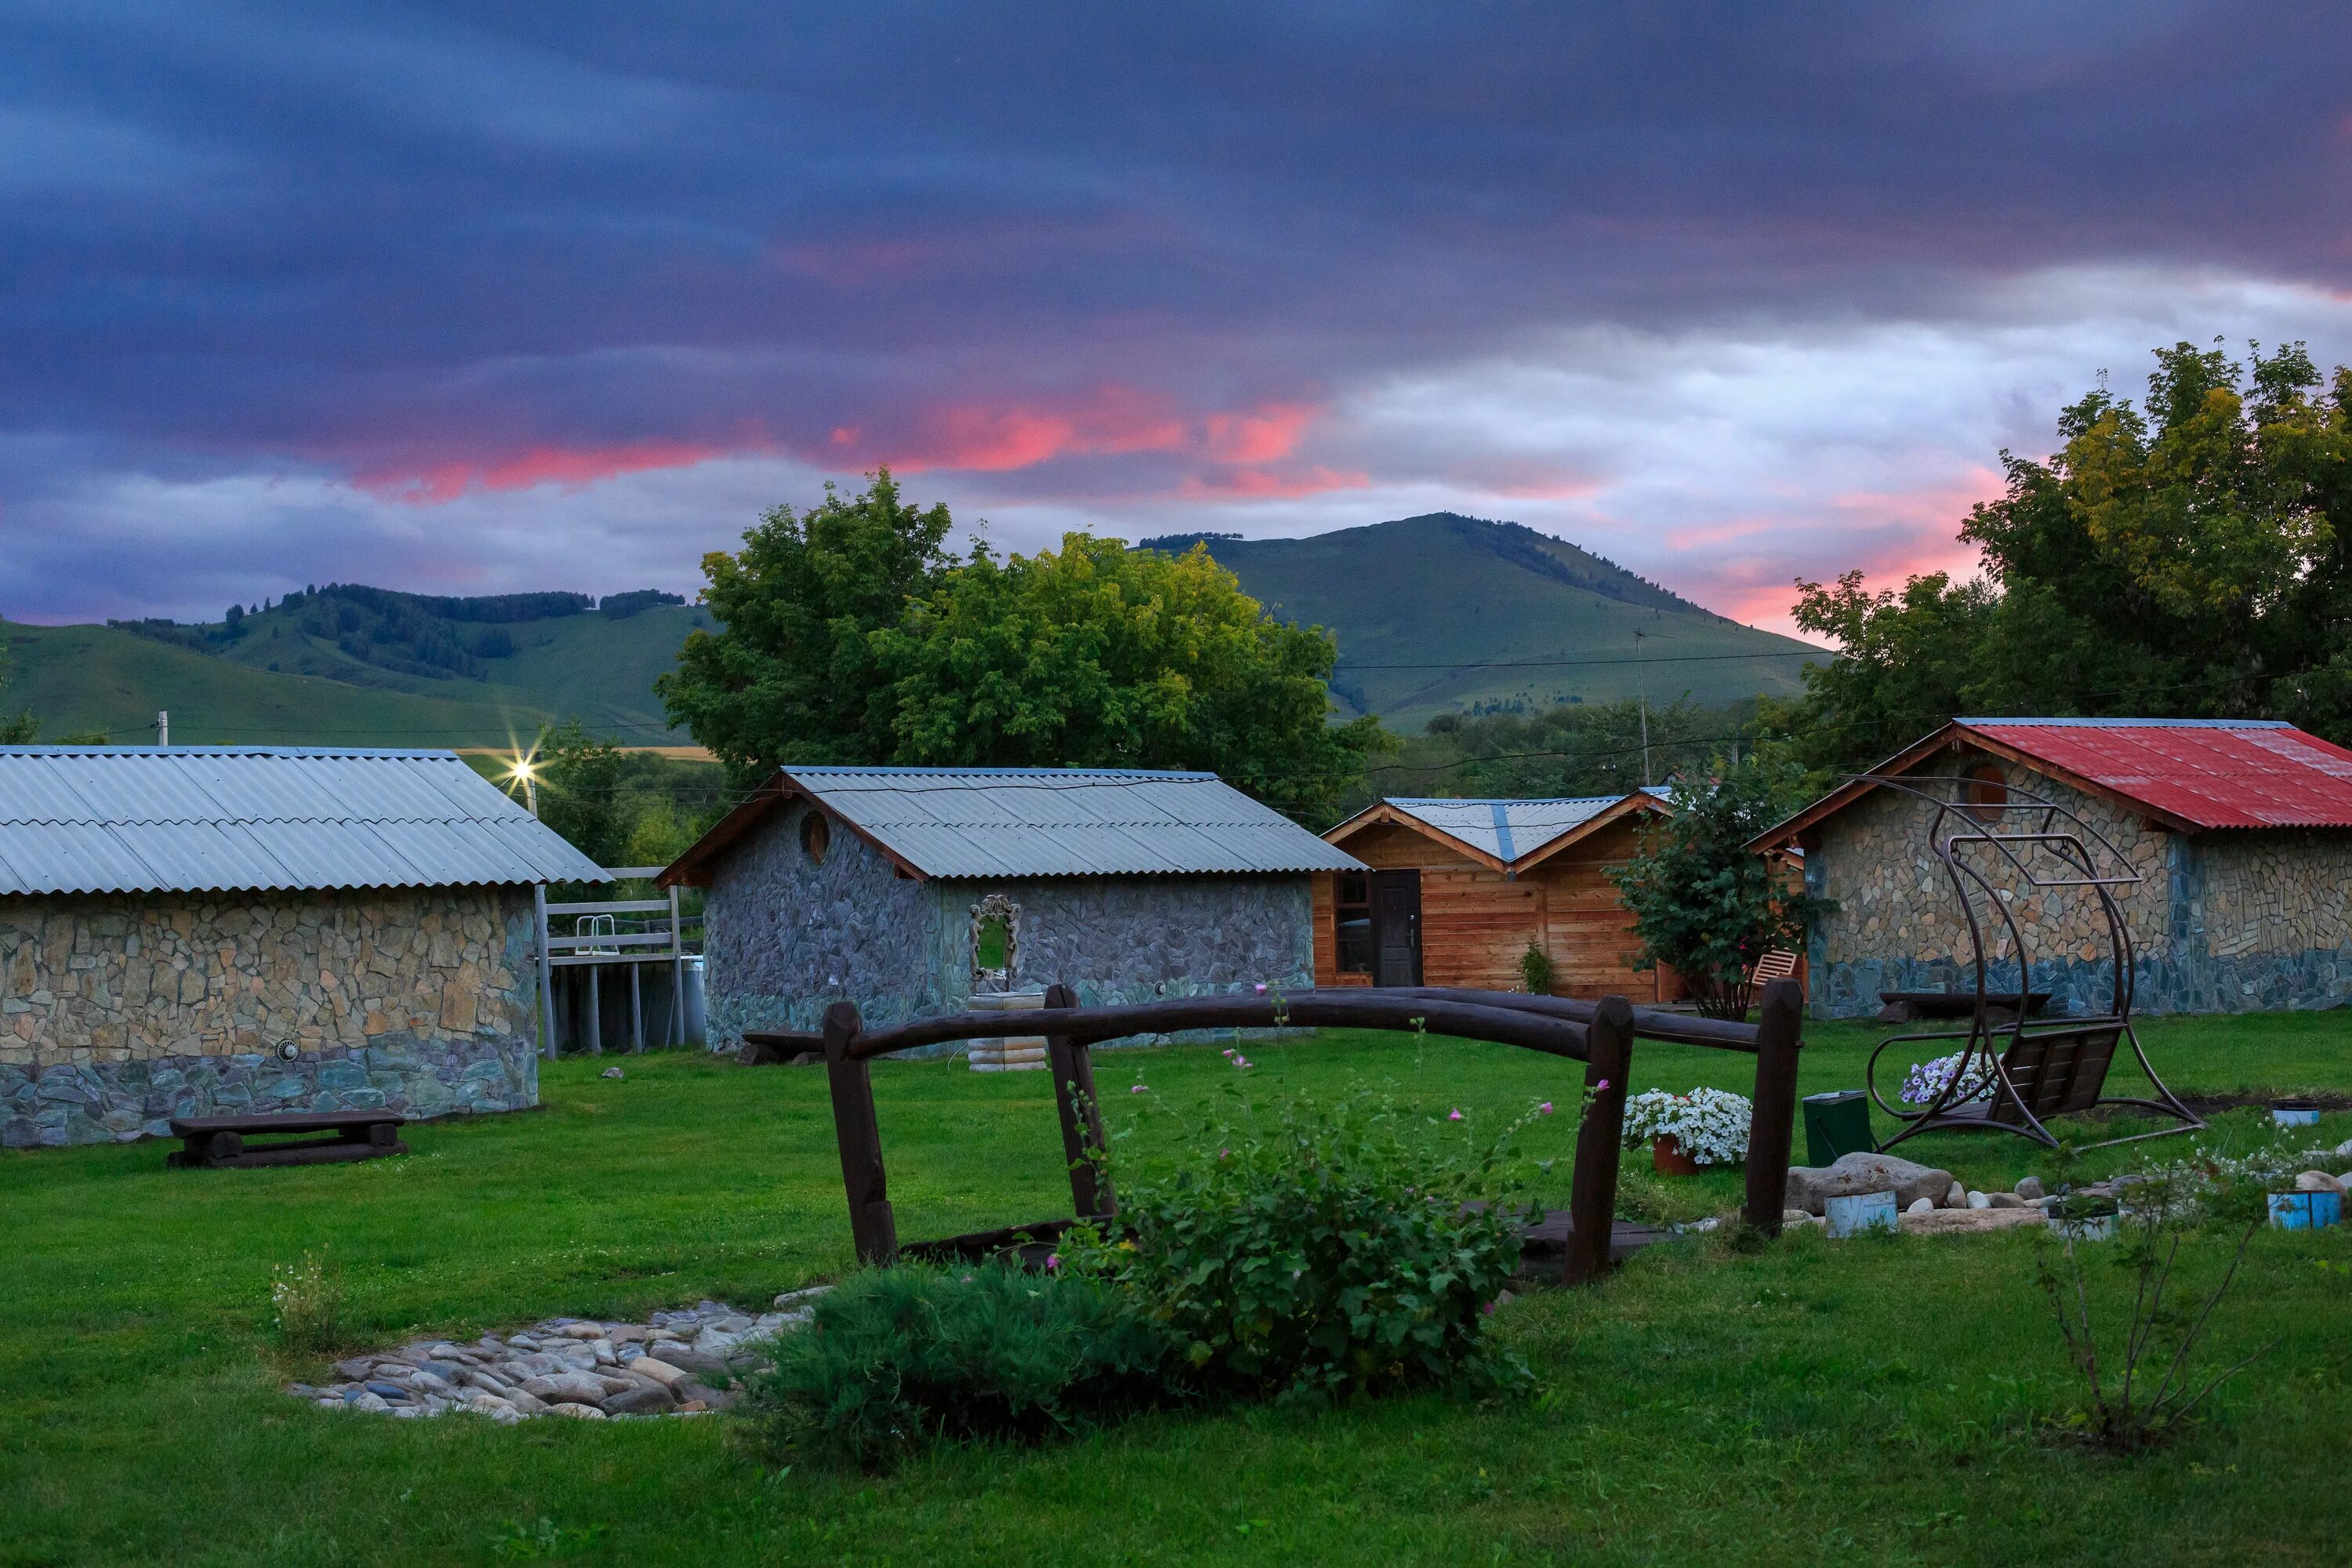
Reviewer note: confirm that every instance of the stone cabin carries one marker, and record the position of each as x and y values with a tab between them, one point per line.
907	890
2240	831
210	931
1459	889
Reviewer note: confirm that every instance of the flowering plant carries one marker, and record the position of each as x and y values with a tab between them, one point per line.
1710	1125
1925	1081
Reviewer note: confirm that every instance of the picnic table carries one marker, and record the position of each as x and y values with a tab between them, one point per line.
219	1142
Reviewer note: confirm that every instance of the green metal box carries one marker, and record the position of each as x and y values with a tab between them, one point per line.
1837	1124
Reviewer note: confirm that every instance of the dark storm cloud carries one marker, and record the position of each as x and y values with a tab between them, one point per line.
433	251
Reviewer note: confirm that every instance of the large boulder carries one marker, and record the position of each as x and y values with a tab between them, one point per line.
1811	1187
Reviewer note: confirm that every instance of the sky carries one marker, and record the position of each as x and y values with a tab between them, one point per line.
482	297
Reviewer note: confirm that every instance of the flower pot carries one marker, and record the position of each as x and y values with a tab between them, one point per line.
1666	1154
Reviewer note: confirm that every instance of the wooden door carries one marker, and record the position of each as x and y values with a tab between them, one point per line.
1396	928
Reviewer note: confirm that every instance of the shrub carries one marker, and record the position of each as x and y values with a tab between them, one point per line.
1710	1125
306	1302
1330	1254
899	1358
1535	970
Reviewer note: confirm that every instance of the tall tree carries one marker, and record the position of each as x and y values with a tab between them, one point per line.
18	729
1099	656
792	675
2190	557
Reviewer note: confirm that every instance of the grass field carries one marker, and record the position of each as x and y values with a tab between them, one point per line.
1869	1400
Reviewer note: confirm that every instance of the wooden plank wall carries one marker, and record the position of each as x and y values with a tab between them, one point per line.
1475	923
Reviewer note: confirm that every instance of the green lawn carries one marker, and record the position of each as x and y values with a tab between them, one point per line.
1865	1400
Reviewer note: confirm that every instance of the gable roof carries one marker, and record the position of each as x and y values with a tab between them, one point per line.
1035	822
122	819
2188	774
1501	835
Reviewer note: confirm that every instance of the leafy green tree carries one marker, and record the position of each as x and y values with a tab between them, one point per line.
1099	656
1702	904
20	728
792	675
580	791
2190	557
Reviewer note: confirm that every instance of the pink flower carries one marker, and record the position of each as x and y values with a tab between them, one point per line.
1261	988
1488	1307
1138	1089
1229	1050
1601	1087
1052	1261
1453	1116
1545	1108
1223	1152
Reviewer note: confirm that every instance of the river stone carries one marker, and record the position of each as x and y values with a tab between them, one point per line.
578	1411
528	1403
687	1359
2029	1188
1811	1187
574	1387
1955	1197
694	1391
2318	1182
1954	1222
1921	1205
2005	1201
661	1372
1979	1201
644	1399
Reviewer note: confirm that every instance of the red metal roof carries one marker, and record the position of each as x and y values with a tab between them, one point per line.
2212	773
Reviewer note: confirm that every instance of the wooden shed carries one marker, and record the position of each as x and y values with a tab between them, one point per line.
1458	889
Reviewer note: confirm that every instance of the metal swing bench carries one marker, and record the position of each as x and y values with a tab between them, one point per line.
2015	1072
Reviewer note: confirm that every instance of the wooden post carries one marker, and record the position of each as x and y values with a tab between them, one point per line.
546	974
1592	1195
1778	1037
674	1031
1082	1133
595	974
871	1223
636	1007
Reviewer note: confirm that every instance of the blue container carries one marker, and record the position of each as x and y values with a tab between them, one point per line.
2306	1211
1860	1212
2296	1115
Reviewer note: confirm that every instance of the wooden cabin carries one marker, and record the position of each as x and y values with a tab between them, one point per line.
1459	888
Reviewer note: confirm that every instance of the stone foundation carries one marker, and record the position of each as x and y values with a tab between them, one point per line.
93	1103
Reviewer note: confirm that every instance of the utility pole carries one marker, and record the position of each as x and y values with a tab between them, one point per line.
1642	691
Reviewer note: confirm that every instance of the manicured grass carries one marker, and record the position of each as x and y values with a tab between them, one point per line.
1870	1400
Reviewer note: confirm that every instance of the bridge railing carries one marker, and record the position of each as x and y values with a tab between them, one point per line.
1599	1034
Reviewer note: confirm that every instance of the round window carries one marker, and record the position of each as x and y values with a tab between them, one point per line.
815	834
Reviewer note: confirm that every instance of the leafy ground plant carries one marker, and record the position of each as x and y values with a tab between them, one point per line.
2147	1380
903	1357
1327	1251
306	1303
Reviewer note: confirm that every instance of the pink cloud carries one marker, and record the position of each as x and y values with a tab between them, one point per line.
1260	436
1257	484
572	468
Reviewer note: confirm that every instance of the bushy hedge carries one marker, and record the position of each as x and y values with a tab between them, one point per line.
1325	1251
899	1357
1306	1253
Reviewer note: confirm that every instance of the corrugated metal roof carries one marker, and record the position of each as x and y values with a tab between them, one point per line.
2213	772
1057	822
1507	829
120	819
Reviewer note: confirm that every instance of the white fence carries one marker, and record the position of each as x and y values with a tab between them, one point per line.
608	938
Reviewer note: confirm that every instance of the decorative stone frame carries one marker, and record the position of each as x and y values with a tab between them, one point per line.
997	907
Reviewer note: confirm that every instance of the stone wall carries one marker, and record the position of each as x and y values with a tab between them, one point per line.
786	938
119	1013
2221	922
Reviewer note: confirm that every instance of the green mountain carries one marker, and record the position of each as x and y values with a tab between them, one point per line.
347	665
1447	614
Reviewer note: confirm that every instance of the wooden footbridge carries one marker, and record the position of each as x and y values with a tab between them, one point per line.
1599	1034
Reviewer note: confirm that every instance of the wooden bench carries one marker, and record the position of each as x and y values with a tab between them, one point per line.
218	1143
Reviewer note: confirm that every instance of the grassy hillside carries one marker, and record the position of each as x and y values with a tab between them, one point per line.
388	670
1449	614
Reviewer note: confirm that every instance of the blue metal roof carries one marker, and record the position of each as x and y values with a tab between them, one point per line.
119	819
1065	822
1507	829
